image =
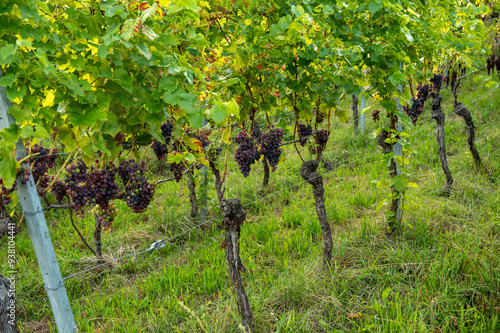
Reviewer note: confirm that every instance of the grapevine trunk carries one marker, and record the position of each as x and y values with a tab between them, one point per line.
309	174
355	115
233	217
439	116
463	112
97	237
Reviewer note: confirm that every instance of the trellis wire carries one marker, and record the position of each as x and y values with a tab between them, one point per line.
163	242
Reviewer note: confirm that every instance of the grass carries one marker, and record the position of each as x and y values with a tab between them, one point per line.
438	273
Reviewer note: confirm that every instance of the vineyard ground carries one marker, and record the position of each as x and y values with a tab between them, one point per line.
439	273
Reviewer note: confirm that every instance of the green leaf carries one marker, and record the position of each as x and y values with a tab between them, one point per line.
149	33
298	10
11	134
67	138
156	133
24	42
173	98
168	83
143	49
8	163
373	7
102	51
169	40
218	112
27	131
397	78
41	132
342	114
98	143
113	10
400	182
15	92
80	116
6	52
7	80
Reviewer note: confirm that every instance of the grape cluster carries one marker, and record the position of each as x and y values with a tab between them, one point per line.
247	153
375	115
103	187
203	139
24	175
77	188
423	92
138	191
5	193
322	138
160	149
320	117
177	169
493	63
212	152
167	129
43	161
77	173
106	215
304	133
270	145
417	104
437	82
415	110
59	190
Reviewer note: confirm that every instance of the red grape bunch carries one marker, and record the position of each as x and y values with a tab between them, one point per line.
43	162
106	216
247	153
59	190
6	192
138	191
77	187
103	186
322	138
161	149
304	133
270	145
320	117
177	169
437	82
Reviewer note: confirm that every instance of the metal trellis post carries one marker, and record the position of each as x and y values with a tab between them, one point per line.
362	116
40	237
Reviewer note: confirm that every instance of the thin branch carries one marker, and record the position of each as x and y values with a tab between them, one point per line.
299	140
68	206
169	179
79	234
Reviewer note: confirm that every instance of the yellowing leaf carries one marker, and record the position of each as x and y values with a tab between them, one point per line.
49	98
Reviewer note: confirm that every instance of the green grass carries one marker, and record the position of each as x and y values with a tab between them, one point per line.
438	273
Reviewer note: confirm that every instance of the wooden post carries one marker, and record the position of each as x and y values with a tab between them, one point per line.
40	237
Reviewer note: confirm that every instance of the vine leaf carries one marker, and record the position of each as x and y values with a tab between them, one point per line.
130	28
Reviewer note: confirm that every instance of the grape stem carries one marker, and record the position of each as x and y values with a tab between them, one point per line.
168	179
79	234
298	140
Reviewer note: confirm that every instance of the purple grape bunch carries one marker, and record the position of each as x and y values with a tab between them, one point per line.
77	187
161	149
437	82
270	145
247	152
138	191
103	186
304	133
322	138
